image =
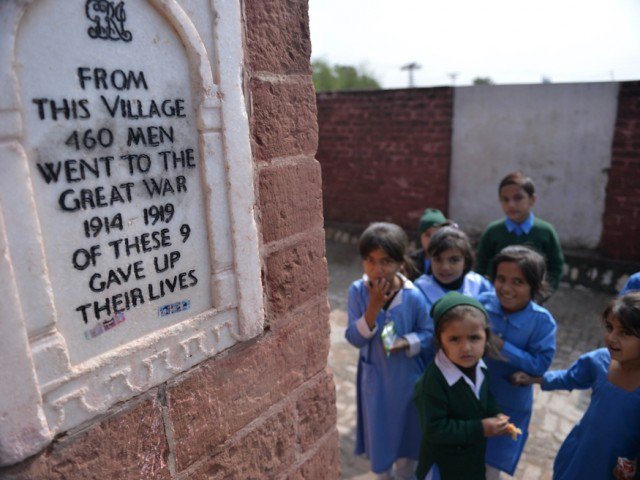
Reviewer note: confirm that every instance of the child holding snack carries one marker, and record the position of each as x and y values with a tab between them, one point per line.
388	323
451	261
606	442
525	335
517	197
431	220
457	412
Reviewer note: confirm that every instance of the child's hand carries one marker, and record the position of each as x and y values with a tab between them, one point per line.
524	379
497	341
379	292
495	426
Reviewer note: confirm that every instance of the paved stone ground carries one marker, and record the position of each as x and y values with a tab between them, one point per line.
577	313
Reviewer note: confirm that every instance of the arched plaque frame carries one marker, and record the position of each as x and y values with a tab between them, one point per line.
43	394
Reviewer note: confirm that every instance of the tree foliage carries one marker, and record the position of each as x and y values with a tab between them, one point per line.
482	81
328	77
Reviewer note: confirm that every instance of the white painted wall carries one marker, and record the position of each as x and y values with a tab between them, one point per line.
558	134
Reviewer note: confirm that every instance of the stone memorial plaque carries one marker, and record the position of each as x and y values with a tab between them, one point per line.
110	133
126	203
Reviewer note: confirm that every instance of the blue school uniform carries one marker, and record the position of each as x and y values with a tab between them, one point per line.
472	286
632	284
610	428
530	342
388	426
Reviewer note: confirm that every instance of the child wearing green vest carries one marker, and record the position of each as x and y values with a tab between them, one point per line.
430	221
457	412
517	197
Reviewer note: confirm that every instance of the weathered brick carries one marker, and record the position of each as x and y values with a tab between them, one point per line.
259	453
324	464
283	121
302	343
127	445
226	393
620	233
290	199
316	411
385	155
278	39
296	274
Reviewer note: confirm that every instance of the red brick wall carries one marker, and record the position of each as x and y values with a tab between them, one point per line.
621	222
264	408
385	154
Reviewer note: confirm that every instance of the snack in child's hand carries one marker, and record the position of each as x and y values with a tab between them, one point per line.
513	431
625	468
389	337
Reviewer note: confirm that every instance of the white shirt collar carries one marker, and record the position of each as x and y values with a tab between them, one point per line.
452	373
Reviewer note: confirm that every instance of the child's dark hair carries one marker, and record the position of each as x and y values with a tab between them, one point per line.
530	262
519	179
389	237
626	309
459	312
451	237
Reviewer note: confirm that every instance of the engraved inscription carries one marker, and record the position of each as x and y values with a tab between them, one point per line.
116	169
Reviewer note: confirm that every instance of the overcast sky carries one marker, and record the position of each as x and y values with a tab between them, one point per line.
510	41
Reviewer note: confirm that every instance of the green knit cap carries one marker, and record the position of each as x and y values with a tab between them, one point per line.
451	300
430	218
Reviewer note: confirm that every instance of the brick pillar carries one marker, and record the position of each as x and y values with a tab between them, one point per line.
621	222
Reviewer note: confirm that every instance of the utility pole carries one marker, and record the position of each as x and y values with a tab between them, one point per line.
453	76
411	67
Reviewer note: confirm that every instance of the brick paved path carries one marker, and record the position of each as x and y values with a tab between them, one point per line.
577	313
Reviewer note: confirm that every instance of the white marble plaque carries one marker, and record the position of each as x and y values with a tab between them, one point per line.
110	132
126	204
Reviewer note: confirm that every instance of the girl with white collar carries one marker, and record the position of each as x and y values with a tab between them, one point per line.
457	412
525	335
450	270
388	323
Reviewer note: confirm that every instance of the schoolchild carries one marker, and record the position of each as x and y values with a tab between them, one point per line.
606	442
457	412
451	261
384	305
517	197
525	335
431	220
632	284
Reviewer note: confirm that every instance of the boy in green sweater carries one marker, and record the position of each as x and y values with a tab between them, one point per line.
517	197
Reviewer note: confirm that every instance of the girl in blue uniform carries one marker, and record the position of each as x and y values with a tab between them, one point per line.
525	336
385	308
605	444
450	269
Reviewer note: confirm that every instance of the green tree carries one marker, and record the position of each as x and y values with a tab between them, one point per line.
328	77
482	81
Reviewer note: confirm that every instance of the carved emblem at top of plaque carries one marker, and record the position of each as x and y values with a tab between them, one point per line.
108	20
